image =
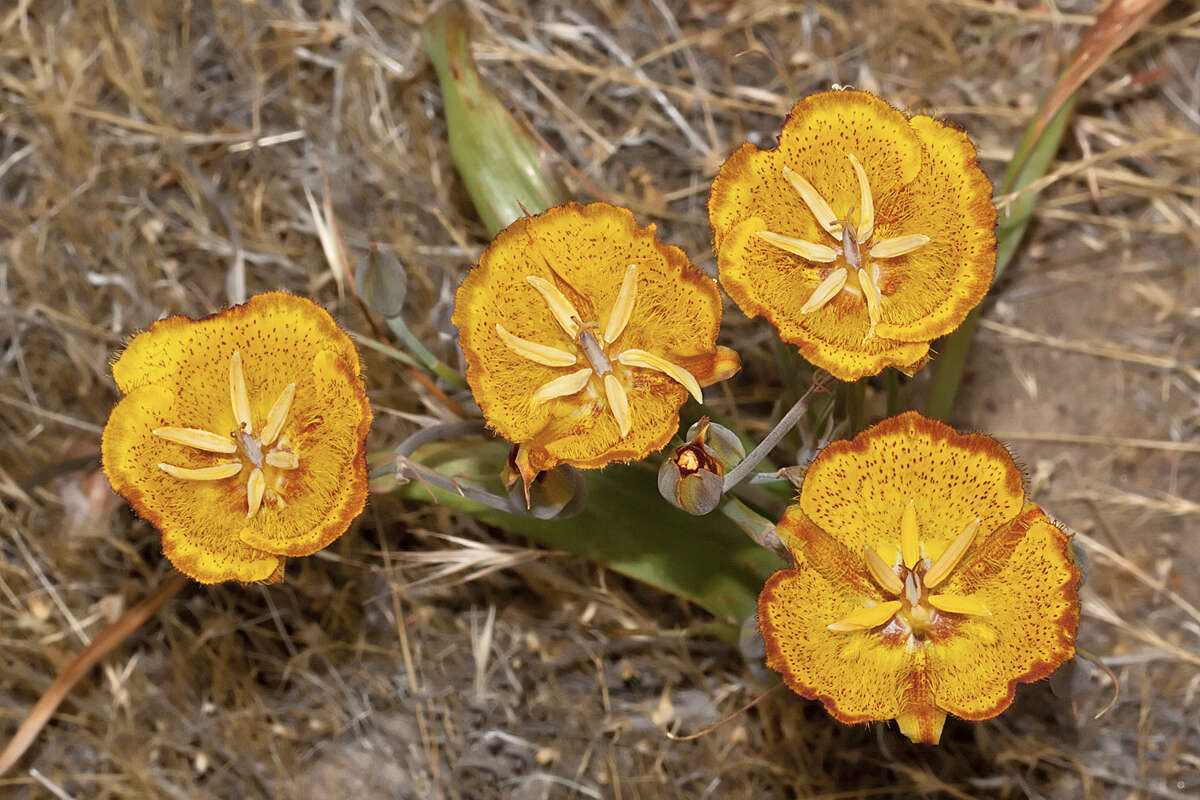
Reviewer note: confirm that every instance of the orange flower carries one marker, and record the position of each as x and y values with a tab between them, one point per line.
241	436
861	237
583	336
924	583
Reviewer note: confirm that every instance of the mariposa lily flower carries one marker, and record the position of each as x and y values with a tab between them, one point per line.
584	334
924	582
862	237
241	436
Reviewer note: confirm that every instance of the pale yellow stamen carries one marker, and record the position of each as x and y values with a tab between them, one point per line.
958	604
826	291
278	414
809	251
888	580
194	437
562	387
255	487
622	309
866	213
213	473
540	353
641	358
618	403
565	313
874	299
899	245
238	396
816	204
282	459
946	563
910	546
867	618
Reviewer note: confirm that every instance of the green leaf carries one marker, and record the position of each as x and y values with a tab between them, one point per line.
498	159
626	526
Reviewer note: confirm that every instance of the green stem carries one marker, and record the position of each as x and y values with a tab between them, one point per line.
428	359
754	525
764	448
893	392
855	397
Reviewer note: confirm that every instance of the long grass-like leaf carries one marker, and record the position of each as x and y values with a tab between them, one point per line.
498	159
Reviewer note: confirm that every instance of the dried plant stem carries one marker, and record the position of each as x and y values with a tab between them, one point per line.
112	636
729	718
747	464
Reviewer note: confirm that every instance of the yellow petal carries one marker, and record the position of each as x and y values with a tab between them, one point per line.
898	245
910	545
618	402
282	459
646	360
539	353
194	437
853	488
1028	583
214	473
564	313
866	206
874	299
255	486
238	397
563	386
709	368
828	290
958	604
328	488
809	251
867	618
953	554
178	351
816	204
888	580
951	201
278	414
922	724
622	309
858	678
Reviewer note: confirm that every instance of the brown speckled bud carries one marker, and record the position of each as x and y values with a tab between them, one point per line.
691	478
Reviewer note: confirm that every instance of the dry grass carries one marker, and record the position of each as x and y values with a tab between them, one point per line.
153	159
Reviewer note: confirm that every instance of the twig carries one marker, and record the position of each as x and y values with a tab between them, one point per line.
108	639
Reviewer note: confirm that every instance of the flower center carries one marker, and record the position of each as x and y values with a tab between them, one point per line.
856	275
268	454
593	344
912	581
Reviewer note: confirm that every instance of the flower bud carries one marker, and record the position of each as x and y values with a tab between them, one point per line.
558	493
692	477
